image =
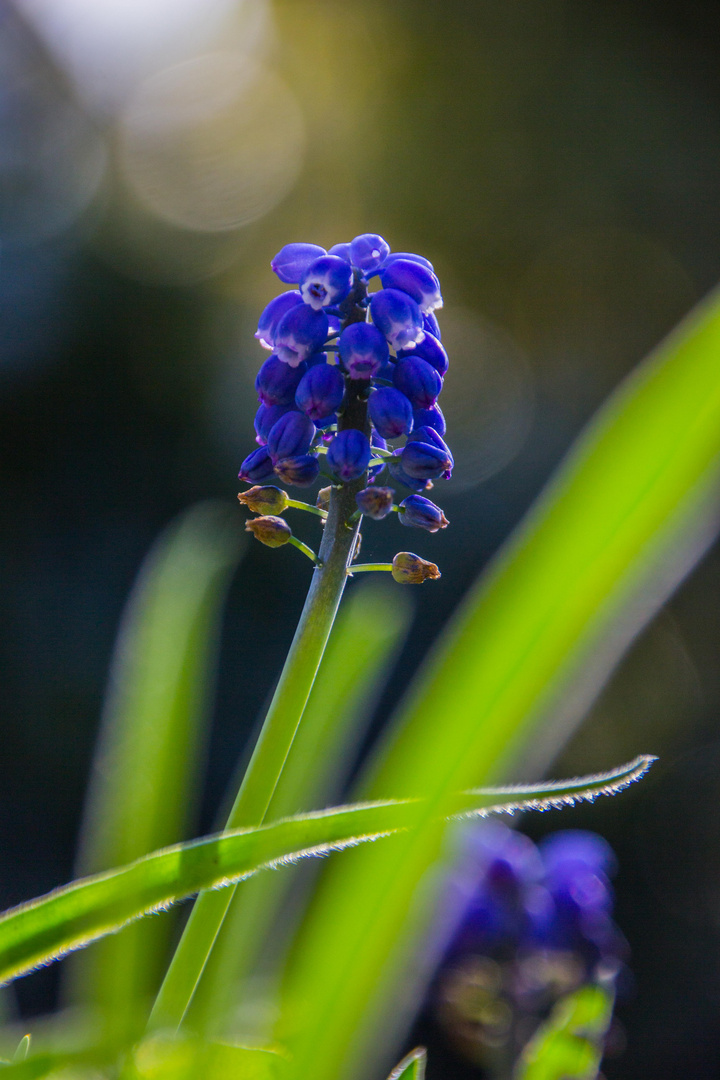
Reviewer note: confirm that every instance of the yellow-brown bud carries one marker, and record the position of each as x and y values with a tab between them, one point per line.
269	530
264	500
323	498
410	569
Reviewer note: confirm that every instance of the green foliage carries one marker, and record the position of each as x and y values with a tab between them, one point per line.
569	1045
614	532
147	762
73	916
412	1066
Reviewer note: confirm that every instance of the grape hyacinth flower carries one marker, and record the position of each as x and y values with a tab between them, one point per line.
292	261
530	924
301	332
326	281
363	350
414	279
351	391
273	313
398	317
277	382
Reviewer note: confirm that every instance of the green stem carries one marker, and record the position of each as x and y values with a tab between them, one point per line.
364	568
306	506
282	720
304	548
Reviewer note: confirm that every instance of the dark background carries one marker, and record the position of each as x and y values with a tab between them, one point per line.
559	162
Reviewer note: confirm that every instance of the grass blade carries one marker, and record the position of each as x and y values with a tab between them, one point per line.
73	916
412	1066
629	511
150	747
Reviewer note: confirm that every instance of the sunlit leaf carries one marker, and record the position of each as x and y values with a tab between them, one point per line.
412	1066
569	1045
71	917
630	511
150	750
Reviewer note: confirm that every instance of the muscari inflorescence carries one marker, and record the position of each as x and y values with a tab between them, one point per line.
350	390
535	924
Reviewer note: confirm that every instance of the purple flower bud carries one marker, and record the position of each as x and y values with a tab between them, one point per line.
349	454
301	470
431	325
326	281
431	350
256	467
409	569
376	502
430	435
342	251
363	350
300	332
390	412
291	436
291	261
432	417
423	514
408	256
414	279
423	461
418	381
398	473
326	422
320	391
273	313
397	317
368	252
277	382
563	851
265	418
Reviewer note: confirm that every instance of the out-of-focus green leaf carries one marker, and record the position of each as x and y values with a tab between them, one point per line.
162	1057
569	1045
363	643
629	512
412	1066
147	762
71	917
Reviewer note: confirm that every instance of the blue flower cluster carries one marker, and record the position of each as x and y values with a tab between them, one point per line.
334	344
535	923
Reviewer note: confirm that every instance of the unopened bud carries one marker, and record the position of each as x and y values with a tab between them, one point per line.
323	498
375	502
264	500
269	530
410	569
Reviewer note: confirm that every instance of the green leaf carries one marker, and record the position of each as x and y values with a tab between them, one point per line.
569	1045
629	512
163	1057
364	641
151	744
71	917
412	1066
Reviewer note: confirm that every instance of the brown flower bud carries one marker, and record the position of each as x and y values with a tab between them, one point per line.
376	502
323	498
269	530
264	500
410	569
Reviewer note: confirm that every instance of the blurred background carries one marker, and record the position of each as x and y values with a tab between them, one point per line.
560	165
